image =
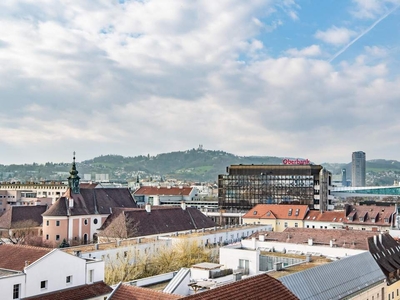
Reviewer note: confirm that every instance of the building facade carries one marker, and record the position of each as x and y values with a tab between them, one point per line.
245	186
358	169
78	214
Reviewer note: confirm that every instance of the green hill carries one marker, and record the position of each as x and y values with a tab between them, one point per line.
193	165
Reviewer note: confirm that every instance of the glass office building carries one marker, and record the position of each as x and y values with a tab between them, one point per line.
245	186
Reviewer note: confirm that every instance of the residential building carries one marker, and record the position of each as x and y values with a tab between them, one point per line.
17	192
353	277
370	217
28	272
358	170
296	182
19	223
279	216
145	246
325	220
79	213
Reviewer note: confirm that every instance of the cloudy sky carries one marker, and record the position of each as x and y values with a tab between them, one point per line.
309	78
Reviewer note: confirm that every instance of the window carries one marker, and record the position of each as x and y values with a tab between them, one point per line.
47	236
286	225
47	222
297	211
16	289
254	212
68	279
296	224
290	212
85	221
57	223
43	284
57	237
91	273
95	221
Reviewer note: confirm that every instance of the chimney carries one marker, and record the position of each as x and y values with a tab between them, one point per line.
375	240
27	262
261	238
331	243
148	207
380	238
310	242
183	205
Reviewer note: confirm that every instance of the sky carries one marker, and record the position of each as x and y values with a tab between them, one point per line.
310	79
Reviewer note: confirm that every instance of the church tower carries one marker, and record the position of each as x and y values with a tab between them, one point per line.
73	179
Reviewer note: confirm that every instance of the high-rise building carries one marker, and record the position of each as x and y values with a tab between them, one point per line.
358	169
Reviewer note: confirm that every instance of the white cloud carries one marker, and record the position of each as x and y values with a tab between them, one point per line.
311	51
335	35
370	9
158	76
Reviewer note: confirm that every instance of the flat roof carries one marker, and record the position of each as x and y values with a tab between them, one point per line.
207	266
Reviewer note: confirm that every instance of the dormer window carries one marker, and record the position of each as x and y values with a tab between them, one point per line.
297	212
268	214
254	212
290	212
361	219
386	220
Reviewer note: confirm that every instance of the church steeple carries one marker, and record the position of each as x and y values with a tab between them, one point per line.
73	179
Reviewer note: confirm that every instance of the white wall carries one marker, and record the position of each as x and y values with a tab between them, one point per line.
304	248
229	257
7	284
230	235
54	267
317	225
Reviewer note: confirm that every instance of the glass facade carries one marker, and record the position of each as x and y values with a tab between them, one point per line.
246	186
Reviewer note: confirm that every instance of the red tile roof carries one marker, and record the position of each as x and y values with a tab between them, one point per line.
256	287
370	215
326	216
277	211
14	257
125	292
354	239
87	291
172	191
18	214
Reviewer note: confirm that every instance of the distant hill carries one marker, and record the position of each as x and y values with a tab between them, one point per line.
194	165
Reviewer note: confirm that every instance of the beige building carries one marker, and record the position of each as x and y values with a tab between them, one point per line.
279	216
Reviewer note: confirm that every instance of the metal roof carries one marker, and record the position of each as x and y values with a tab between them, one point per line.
335	280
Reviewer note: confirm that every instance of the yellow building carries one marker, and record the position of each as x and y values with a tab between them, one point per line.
279	216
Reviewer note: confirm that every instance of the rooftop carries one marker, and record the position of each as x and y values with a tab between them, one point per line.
277	211
353	239
17	257
87	291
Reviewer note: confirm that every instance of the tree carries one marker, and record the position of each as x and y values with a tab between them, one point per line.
21	231
130	266
64	244
119	227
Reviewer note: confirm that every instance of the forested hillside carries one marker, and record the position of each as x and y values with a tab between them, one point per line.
193	165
